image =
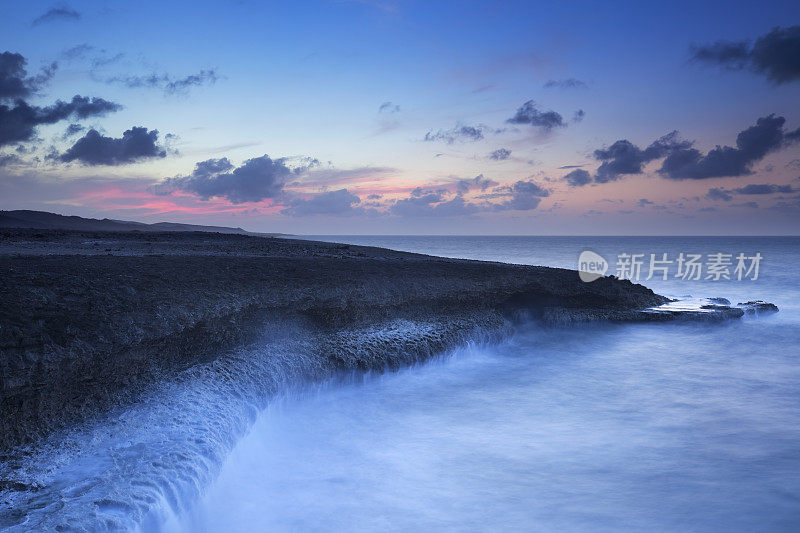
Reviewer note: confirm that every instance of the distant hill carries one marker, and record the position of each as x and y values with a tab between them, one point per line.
45	220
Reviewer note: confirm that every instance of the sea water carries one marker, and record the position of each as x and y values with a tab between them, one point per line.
649	427
662	427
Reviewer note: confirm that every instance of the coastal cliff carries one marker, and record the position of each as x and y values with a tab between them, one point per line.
90	319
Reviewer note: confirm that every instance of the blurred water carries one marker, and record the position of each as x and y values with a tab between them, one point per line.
636	427
665	427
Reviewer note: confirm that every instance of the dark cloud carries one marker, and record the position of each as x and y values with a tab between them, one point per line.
19	123
750	205
14	80
719	194
530	114
683	161
62	12
764	188
458	133
83	107
500	154
388	107
478	182
95	149
567	83
775	55
643	202
752	145
255	180
167	83
578	116
336	203
13	83
623	157
9	159
578	178
525	195
73	129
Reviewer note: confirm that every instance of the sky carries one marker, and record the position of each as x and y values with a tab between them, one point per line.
406	117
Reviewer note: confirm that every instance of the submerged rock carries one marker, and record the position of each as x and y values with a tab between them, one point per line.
708	309
756	307
720	301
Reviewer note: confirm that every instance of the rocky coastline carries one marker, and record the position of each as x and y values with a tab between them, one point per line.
90	320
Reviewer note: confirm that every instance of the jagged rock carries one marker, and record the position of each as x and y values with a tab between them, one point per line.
756	307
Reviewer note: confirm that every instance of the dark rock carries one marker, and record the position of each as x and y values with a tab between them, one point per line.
757	307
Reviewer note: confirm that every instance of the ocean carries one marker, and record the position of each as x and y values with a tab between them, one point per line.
677	427
600	427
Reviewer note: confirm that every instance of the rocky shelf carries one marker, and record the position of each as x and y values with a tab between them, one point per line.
89	319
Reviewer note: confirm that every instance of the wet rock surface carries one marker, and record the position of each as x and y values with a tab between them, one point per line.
756	307
89	319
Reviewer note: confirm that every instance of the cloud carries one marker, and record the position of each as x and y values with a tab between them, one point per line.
78	51
14	80
623	157
83	107
719	194
167	83
530	114
432	204
643	202
388	107
458	133
752	145
95	149
525	195
578	178
9	159
182	85
72	129
683	161
105	60
19	123
338	203
54	14
500	154
775	55
578	116
751	189
764	188
12	76
478	182
255	180
567	83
